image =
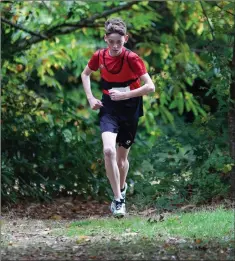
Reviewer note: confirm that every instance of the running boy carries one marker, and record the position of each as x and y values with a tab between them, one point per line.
121	106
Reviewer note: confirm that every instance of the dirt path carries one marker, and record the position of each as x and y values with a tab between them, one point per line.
26	237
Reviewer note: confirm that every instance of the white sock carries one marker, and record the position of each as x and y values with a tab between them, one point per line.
119	199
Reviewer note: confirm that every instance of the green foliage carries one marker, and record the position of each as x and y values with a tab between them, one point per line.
50	137
7	179
48	148
187	163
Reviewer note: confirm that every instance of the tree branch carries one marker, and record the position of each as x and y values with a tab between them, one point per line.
7	2
46	6
41	36
64	28
224	10
92	19
204	12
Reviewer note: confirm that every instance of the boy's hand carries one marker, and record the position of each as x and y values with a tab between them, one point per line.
117	95
95	103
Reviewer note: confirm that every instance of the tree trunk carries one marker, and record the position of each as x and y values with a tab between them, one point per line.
231	117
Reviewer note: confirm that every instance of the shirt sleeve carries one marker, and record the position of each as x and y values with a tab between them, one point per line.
137	65
93	64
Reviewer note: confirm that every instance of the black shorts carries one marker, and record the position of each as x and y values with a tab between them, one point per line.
125	128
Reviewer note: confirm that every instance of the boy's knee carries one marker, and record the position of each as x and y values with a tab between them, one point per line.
109	152
122	163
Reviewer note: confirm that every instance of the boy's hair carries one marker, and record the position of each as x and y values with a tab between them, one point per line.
115	25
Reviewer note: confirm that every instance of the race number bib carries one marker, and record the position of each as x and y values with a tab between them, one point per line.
122	89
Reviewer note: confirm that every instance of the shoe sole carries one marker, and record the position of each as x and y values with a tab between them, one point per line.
119	215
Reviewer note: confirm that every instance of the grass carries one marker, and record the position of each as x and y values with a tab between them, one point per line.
198	235
204	224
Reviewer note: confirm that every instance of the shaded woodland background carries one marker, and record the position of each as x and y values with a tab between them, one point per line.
51	145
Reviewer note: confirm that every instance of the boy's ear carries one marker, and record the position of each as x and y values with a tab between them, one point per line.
126	38
105	38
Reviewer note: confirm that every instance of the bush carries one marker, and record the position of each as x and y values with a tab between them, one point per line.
187	162
49	148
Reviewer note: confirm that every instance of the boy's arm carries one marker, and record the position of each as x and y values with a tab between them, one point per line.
94	103
143	90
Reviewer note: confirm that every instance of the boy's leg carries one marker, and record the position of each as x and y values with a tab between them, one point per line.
112	171
125	139
123	164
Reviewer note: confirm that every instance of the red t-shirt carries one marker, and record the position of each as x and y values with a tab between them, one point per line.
124	67
119	71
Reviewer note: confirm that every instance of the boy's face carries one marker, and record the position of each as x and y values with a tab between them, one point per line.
115	43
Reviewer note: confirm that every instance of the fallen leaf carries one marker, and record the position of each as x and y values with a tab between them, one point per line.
187	207
198	241
82	239
56	217
138	254
148	212
68	204
130	234
156	218
166	245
